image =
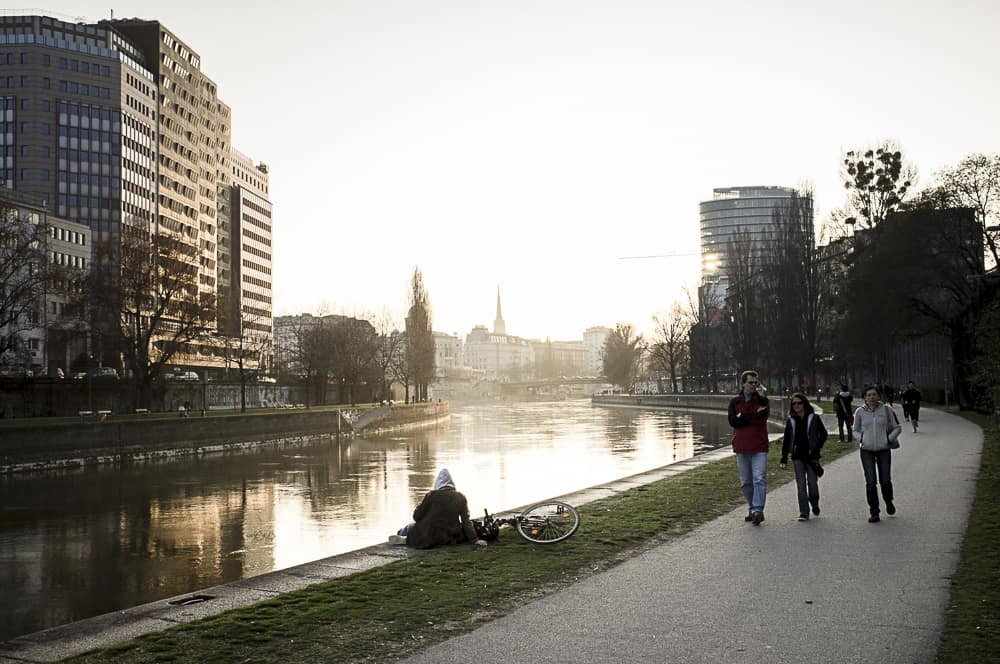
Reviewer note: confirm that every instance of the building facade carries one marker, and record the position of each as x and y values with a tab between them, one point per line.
114	126
745	215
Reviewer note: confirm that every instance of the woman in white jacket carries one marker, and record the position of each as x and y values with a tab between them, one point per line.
875	425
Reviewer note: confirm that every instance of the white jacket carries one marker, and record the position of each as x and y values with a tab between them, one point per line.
871	428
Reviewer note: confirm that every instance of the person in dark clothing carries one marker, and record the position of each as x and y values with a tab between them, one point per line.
748	413
911	404
442	517
804	438
845	416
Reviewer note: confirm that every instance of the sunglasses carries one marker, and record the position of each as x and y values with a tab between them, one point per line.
798	403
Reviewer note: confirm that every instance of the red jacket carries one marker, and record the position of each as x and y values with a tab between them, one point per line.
749	422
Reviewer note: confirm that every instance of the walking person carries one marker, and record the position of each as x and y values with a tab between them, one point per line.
845	416
877	429
911	404
804	438
748	413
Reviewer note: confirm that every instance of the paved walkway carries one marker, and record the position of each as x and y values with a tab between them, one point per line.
833	589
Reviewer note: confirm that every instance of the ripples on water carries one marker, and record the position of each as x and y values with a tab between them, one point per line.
77	544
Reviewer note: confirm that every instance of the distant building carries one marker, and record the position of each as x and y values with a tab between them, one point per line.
594	338
52	336
498	355
745	213
115	126
448	353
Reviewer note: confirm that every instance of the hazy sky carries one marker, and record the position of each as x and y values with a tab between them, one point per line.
530	144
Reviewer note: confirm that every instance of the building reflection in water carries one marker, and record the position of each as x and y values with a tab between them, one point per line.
77	544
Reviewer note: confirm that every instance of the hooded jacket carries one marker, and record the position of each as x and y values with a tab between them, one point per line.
873	428
442	517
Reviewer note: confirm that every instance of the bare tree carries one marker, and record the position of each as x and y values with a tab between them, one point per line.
877	180
668	354
975	183
708	337
24	274
143	293
247	347
795	291
391	343
744	299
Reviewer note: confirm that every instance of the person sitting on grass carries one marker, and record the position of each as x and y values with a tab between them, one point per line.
442	517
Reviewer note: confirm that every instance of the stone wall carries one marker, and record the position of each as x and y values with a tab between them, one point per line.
36	446
708	402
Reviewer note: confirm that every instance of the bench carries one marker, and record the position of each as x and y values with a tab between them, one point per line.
85	413
142	411
103	414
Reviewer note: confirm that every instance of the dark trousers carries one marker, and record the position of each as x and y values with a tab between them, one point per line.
841	424
878	470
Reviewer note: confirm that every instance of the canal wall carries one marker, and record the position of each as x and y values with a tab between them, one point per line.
35	446
702	402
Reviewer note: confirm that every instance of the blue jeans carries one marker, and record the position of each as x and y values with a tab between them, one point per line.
806	485
878	469
753	479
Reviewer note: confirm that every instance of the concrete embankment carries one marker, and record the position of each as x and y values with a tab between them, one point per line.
36	445
717	403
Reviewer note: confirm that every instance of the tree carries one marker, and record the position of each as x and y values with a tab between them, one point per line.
354	351
795	292
419	337
668	354
247	348
24	273
877	181
975	183
708	338
388	353
622	355
142	293
744	299
932	262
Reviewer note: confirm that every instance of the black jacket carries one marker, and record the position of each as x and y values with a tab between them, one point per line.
815	435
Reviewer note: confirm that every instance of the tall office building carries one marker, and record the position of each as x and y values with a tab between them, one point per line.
114	125
747	213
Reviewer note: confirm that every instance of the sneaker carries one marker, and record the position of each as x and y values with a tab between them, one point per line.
397	539
874	518
890	509
816	510
803	517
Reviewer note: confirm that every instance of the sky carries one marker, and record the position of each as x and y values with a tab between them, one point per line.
531	145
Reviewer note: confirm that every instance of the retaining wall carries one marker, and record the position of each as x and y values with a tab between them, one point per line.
36	446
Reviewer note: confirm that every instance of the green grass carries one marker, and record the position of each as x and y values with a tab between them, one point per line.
972	633
400	608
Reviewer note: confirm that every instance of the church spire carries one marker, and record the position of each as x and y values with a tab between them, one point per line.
498	324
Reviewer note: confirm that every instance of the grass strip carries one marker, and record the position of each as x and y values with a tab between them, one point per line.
972	630
400	608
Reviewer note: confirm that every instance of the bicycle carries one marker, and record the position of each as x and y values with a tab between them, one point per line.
542	523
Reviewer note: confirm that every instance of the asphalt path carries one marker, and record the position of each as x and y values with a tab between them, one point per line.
832	589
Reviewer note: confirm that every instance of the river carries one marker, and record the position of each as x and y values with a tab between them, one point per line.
75	544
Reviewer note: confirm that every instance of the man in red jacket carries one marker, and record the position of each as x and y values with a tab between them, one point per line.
748	413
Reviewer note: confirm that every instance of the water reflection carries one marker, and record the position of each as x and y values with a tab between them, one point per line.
73	545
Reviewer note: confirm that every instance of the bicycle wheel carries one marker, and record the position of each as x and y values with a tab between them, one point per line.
546	523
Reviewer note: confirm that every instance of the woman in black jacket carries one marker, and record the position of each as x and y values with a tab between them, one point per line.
804	438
